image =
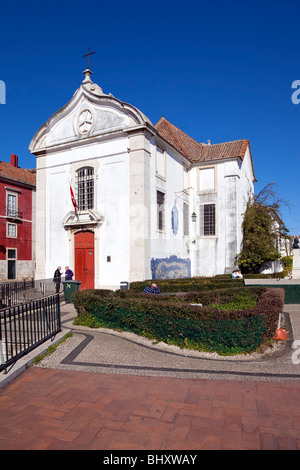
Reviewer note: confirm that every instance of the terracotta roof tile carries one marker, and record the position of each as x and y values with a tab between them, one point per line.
197	152
178	139
236	148
17	174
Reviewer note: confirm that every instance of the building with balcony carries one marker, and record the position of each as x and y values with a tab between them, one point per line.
17	221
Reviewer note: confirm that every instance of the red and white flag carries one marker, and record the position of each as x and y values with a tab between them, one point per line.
73	199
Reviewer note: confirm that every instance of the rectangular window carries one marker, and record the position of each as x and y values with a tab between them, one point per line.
186	227
186	180
160	210
207	179
208	219
11	208
12	230
160	162
11	264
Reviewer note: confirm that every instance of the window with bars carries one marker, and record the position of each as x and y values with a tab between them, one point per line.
208	219
85	188
160	210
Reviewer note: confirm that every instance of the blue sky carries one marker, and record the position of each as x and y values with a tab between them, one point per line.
218	70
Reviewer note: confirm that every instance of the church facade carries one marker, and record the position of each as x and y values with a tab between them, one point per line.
151	202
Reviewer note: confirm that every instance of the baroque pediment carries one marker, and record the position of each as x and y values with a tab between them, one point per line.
88	114
89	218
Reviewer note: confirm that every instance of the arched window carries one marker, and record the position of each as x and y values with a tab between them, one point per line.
85	188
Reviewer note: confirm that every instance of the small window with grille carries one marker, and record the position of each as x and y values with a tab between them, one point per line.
85	188
160	201
208	219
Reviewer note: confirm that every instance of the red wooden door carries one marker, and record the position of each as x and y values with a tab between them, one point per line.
85	259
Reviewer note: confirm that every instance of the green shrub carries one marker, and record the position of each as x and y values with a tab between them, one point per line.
188	284
288	262
235	298
178	322
265	276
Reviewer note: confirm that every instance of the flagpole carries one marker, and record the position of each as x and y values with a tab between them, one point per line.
74	201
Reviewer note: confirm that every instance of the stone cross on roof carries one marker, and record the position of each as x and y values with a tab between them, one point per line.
88	56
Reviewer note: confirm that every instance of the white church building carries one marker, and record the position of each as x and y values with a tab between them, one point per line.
152	202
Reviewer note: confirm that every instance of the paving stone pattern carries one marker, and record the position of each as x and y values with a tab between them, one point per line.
67	410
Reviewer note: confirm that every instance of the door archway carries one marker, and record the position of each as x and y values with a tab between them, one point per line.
85	259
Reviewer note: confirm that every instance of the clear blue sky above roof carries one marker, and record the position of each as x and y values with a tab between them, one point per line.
218	71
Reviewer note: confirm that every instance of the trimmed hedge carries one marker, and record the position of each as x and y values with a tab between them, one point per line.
185	325
188	284
220	281
214	296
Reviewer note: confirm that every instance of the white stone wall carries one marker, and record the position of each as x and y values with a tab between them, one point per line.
296	264
113	195
166	243
213	255
121	146
110	160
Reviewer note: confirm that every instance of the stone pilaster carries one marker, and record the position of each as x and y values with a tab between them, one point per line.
139	205
231	228
40	214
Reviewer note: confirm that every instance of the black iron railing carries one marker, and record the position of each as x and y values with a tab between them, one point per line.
13	213
26	326
13	293
17	292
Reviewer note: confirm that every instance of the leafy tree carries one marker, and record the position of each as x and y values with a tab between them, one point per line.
260	232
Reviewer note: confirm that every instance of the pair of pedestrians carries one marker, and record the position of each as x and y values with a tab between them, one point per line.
57	277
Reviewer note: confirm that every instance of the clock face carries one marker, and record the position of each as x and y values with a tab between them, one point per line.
85	121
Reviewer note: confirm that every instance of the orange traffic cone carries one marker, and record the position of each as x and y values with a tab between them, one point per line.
280	333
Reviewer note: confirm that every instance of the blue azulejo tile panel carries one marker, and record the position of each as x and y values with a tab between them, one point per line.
170	268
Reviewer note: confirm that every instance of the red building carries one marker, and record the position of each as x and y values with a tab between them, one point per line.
17	221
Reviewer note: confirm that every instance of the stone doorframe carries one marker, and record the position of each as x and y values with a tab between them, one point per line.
92	222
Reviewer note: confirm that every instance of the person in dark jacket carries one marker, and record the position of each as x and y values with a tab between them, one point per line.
68	273
153	289
57	279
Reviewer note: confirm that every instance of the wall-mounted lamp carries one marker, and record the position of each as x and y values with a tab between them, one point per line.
194	216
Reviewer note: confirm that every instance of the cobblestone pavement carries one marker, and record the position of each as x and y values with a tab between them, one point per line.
113	391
